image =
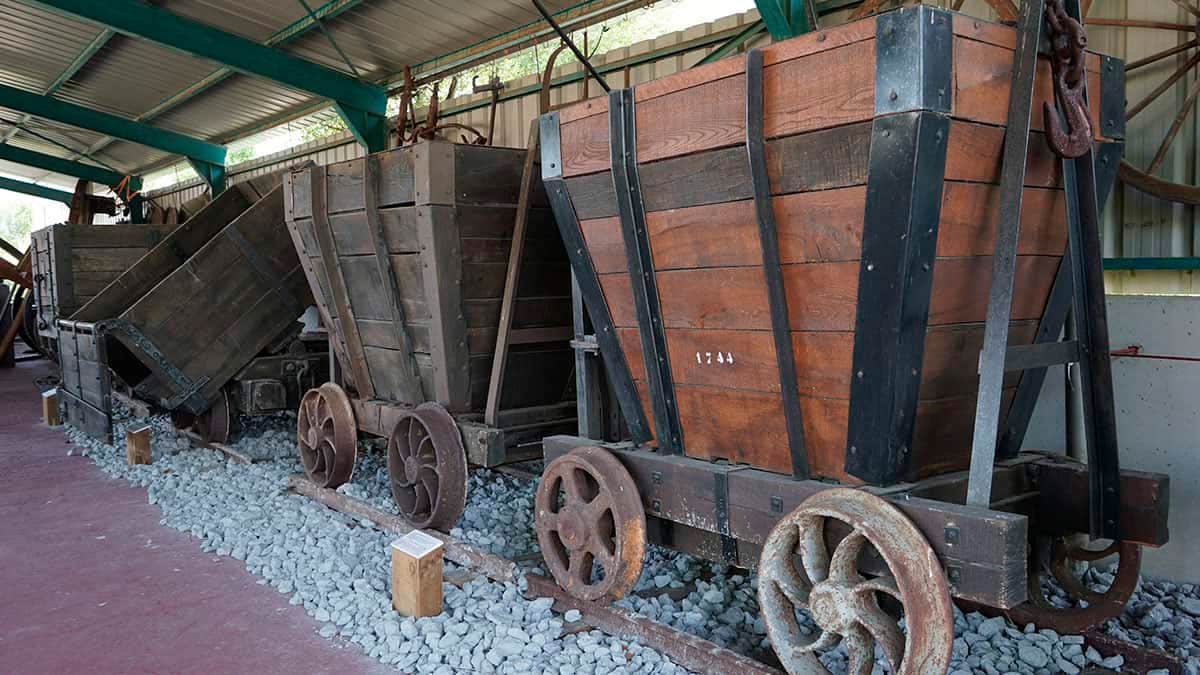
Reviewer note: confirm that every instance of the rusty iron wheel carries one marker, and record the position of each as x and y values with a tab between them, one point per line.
1059	558
215	425
328	435
427	466
588	514
796	571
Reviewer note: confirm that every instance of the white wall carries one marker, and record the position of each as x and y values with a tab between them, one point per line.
1158	414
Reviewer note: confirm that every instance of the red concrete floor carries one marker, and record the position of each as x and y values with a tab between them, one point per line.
91	583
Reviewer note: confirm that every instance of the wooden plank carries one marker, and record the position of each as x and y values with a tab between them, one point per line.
417	575
516	254
351	340
179	245
353	236
118	236
442	269
406	383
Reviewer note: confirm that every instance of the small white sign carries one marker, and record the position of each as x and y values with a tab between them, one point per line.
417	544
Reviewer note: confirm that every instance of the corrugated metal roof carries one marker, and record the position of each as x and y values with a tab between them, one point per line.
132	77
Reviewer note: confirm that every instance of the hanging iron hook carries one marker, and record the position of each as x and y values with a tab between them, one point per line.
1067	43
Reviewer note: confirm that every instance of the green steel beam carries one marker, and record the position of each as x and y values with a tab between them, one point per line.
776	18
35	190
59	165
112	125
213	174
284	36
140	20
1146	264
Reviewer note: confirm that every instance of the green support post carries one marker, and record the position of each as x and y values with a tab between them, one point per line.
370	129
137	205
213	174
784	21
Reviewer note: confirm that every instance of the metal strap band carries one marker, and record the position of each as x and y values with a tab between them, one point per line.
187	390
899	242
622	131
592	293
410	381
768	237
729	551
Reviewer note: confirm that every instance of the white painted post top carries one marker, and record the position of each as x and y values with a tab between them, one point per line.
417	544
50	392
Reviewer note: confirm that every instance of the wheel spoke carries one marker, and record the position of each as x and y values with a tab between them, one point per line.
1175	127
813	554
576	562
601	554
880	585
1166	84
790	584
885	631
826	640
843	567
573	485
860	652
1187	7
1158	56
1137	23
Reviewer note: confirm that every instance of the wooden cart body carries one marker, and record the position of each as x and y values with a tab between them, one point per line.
220	293
73	263
408	269
787	271
882	161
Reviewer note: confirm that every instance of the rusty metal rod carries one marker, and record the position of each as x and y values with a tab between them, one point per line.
571	45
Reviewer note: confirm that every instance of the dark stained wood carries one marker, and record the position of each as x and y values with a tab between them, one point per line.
443	272
970	212
960	288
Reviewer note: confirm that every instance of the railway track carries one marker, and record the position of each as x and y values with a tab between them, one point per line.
691	652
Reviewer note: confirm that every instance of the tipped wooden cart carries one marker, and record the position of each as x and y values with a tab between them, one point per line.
203	325
412	258
839	261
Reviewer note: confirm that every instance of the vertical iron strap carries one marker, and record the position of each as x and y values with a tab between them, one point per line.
622	131
729	550
1004	259
588	282
906	172
410	381
1054	317
768	237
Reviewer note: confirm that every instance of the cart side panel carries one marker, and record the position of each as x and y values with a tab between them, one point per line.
210	317
176	247
86	383
820	131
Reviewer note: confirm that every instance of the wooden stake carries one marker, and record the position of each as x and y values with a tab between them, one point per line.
137	445
417	575
50	408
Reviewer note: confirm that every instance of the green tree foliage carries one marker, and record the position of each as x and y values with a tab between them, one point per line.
16	220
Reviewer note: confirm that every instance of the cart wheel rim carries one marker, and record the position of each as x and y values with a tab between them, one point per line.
328	437
216	424
427	467
1055	558
588	515
844	605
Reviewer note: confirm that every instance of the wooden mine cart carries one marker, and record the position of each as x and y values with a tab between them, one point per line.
801	268
408	255
204	325
73	263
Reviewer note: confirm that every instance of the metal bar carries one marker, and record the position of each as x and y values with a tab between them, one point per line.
170	30
35	190
589	283
571	45
410	376
1149	264
54	164
112	125
1004	260
773	15
632	215
741	37
329	36
1044	355
768	237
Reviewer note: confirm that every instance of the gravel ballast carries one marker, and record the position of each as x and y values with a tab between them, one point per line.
338	568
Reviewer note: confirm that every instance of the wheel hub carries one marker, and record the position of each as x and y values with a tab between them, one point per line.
571	528
834	607
412	469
